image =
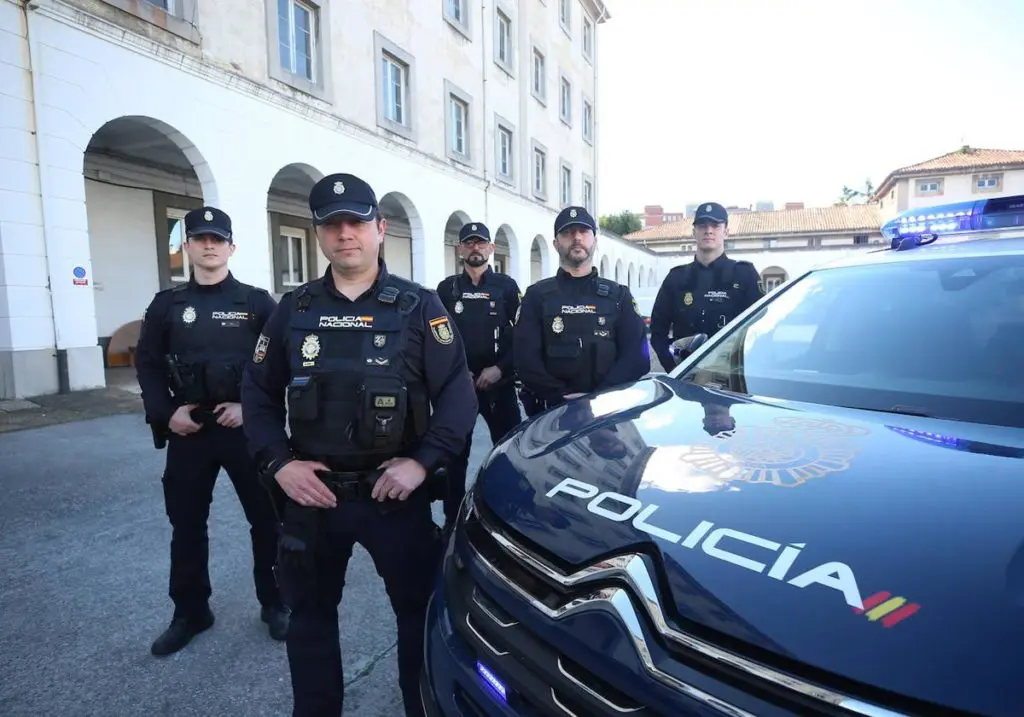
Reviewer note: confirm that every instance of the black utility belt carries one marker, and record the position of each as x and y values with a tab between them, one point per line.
350	485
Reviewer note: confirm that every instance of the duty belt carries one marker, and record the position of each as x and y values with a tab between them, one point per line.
350	485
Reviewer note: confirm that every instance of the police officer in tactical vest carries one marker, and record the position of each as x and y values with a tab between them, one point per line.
703	296
195	340
358	358
576	332
482	303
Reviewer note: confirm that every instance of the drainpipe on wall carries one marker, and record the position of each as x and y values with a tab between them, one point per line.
483	135
597	144
63	378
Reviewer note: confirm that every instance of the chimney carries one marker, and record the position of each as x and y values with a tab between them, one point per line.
794	205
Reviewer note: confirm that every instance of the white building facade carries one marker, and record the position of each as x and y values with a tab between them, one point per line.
119	116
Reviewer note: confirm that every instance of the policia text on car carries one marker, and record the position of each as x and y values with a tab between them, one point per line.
576	332
482	303
703	296
193	345
358	357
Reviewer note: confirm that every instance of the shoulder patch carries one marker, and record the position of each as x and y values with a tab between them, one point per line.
636	308
261	349
442	330
519	310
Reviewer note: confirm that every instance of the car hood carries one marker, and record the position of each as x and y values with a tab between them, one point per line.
879	548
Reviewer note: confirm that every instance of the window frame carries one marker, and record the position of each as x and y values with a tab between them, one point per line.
321	84
453	94
385	49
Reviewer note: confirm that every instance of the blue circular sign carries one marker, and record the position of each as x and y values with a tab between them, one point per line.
79	272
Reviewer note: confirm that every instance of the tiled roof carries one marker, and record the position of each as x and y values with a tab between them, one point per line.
965	159
816	220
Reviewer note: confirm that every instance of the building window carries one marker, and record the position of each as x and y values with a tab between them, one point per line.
539	85
565	101
458	102
588	194
565	15
929	187
588	122
540	170
861	239
504	150
176	256
456	13
504	47
395	87
300	49
984	183
565	183
177	17
292	258
588	38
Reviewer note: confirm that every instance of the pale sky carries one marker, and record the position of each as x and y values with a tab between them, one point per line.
737	101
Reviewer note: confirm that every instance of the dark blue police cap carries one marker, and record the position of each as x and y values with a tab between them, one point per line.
711	212
475	230
208	220
342	194
574	216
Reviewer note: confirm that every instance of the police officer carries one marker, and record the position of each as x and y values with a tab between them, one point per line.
703	296
576	332
482	303
358	357
194	342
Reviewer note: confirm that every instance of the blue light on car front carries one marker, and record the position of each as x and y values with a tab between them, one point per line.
491	680
916	227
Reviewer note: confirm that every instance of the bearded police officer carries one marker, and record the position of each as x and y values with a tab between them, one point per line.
703	296
358	358
577	332
195	340
482	303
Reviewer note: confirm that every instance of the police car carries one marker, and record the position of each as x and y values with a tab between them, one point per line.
818	512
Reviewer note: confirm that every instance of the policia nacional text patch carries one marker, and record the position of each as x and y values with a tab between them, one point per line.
441	330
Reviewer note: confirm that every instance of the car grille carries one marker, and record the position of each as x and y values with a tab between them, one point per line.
549	684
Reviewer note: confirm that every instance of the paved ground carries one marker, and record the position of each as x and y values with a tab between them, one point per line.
84	553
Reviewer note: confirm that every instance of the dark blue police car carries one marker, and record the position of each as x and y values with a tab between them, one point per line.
817	513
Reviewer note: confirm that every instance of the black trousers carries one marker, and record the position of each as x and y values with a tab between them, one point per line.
193	463
500	409
406	549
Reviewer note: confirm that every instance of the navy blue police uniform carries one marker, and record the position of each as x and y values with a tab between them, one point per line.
193	345
483	315
577	334
364	380
698	298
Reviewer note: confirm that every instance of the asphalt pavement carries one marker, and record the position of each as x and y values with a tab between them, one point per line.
84	557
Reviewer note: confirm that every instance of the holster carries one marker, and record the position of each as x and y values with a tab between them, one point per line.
301	528
160	433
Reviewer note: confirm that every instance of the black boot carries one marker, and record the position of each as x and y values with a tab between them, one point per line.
181	632
277	621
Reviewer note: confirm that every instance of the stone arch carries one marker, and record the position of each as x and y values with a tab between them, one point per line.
604	267
652	279
631	281
619	272
294	255
773	277
403	236
140	177
505	250
540	259
452	262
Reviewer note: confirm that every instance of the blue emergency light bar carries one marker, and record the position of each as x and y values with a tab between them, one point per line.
916	227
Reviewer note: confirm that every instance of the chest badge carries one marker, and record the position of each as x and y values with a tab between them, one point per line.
310	348
688	299
379	340
458	307
557	325
189	315
600	321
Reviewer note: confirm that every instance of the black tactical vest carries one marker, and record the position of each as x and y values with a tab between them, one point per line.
210	337
579	333
479	314
349	404
711	309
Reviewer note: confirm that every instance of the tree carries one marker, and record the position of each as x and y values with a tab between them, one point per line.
856	196
623	223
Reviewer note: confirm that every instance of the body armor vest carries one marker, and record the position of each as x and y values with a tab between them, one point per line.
349	404
479	314
210	337
579	332
708	312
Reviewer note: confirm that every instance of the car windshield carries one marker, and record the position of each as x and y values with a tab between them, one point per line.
940	337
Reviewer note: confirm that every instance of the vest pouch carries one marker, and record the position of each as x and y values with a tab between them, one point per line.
303	398
223	383
564	359
383	407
